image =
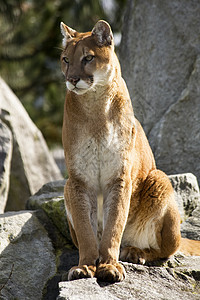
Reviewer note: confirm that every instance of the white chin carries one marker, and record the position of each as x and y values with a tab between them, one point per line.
79	91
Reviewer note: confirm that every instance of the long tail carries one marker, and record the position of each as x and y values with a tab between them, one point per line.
190	247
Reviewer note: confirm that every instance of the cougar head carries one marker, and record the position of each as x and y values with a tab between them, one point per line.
87	58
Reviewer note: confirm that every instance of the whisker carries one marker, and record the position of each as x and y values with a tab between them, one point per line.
59	48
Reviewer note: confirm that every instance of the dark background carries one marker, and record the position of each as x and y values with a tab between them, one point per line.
30	47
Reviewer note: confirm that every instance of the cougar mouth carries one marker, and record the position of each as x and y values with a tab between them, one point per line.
80	87
79	91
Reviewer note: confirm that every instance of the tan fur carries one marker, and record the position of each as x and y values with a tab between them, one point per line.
106	151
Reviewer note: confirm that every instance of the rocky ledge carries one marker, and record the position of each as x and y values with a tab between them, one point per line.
36	252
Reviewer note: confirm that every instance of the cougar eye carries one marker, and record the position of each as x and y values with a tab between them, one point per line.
89	57
66	60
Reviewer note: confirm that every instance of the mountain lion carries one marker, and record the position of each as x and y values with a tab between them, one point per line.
107	152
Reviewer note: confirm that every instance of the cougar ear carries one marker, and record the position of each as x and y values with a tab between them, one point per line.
67	33
102	33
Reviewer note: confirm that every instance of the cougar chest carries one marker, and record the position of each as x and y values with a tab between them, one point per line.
98	156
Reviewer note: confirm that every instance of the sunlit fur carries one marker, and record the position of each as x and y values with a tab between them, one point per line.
107	152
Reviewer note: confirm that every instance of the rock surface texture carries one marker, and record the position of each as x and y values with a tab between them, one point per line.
26	256
141	283
5	162
186	190
160	59
32	164
50	198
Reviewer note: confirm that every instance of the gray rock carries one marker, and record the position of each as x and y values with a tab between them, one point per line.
50	198
186	193
83	289
27	257
168	282
5	161
161	64
32	164
191	227
179	150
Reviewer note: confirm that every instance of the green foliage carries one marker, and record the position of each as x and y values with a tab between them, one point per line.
30	47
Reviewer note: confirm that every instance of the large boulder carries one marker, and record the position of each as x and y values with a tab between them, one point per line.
27	259
161	64
5	161
176	280
32	164
50	198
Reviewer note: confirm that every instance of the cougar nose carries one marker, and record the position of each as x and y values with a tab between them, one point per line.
73	80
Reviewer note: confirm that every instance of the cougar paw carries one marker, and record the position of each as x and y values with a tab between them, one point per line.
81	272
133	255
110	272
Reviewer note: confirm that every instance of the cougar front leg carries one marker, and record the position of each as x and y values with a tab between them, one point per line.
80	206
116	207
